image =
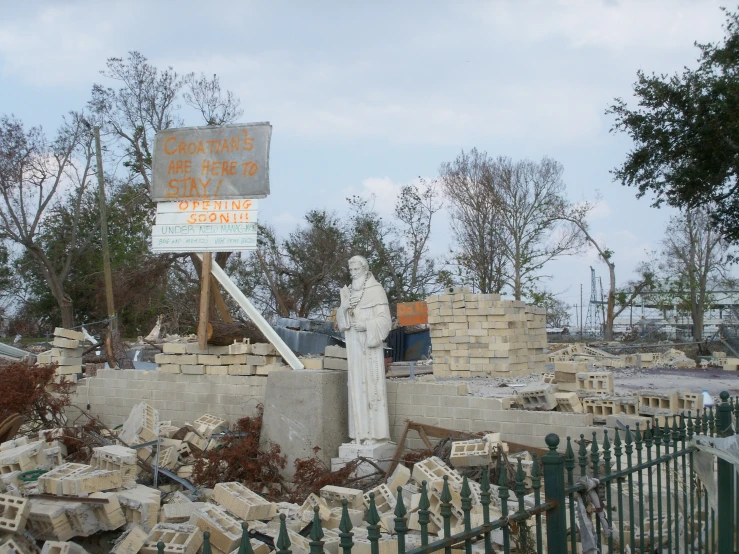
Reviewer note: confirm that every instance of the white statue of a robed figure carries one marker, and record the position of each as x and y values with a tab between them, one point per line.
364	316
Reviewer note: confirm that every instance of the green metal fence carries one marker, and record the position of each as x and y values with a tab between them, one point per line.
650	490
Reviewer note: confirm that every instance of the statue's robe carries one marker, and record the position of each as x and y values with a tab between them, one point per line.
368	416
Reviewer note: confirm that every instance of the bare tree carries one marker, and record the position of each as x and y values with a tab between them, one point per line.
398	252
206	96
475	221
35	176
529	197
577	215
695	258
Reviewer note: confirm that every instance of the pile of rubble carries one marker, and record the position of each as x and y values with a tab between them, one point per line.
720	359
599	358
45	498
572	388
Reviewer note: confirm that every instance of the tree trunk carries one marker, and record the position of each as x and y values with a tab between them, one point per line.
67	309
611	305
697	316
223	334
114	345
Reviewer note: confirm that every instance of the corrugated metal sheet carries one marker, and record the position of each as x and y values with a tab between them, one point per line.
12	352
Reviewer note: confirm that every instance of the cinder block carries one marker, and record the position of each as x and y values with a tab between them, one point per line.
568	402
169	368
82	484
689	402
657	402
225	531
52	482
69	334
240	348
13	513
174	348
241	369
570	367
243	502
730	364
601	408
400	477
307	509
178	512
334	495
263	349
130	542
59	547
470	453
312	363
384	500
336	363
140	506
434	469
208	424
192	369
111	514
537	396
177	539
597	382
61	342
333	351
195	440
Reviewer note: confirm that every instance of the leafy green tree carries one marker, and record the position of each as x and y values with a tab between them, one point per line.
686	134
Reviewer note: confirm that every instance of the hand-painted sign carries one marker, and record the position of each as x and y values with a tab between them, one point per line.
205	226
211	163
206	211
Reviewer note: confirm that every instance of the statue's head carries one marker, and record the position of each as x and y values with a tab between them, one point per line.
358	267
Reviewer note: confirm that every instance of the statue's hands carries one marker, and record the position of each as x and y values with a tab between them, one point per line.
344	292
359	326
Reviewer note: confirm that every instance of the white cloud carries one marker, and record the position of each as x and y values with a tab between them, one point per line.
614	26
285	220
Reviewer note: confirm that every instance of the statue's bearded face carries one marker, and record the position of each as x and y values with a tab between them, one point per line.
357	271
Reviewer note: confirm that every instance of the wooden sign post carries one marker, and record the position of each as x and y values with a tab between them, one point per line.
204	300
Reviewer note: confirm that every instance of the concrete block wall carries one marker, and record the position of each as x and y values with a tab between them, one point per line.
178	397
448	405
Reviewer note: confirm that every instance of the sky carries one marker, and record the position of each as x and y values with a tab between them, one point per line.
364	97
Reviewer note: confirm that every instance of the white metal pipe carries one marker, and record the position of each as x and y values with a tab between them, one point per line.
255	316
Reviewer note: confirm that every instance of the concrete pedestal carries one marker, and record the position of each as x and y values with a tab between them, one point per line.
305	409
380	453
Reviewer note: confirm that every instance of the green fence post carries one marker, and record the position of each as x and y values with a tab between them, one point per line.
725	481
554	491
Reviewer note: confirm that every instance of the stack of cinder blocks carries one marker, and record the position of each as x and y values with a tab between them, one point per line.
335	358
240	358
66	353
480	335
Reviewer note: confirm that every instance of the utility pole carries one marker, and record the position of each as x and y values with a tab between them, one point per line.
580	310
104	233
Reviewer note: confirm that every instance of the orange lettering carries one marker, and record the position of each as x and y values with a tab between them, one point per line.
183	205
248	141
171	169
182	148
201	149
192	218
174	188
235	144
224	218
166	144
